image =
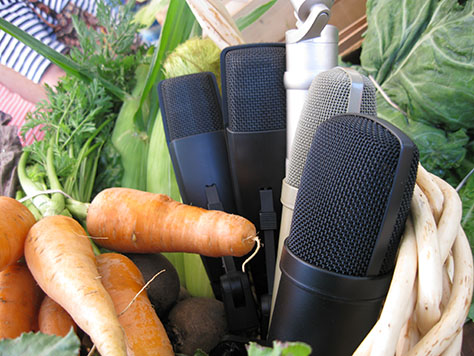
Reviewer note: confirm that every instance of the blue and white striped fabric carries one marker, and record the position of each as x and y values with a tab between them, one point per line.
13	53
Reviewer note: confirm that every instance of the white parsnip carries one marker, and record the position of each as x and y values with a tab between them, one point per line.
447	286
408	338
455	347
216	22
450	219
443	280
397	307
440	336
435	196
430	284
403	343
365	346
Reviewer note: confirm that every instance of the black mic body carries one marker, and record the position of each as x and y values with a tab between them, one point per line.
254	107
350	211
194	130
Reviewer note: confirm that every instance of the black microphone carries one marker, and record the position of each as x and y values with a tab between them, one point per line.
194	130
350	211
335	91
254	107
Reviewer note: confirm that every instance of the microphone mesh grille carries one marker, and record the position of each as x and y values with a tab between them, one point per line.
191	105
255	92
345	189
328	95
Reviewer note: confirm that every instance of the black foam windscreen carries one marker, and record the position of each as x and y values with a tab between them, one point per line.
346	189
252	82
186	98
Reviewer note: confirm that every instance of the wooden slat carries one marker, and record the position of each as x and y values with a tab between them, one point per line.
350	38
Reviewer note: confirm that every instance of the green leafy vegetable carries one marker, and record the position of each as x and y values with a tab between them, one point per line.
421	54
279	349
137	117
39	344
78	117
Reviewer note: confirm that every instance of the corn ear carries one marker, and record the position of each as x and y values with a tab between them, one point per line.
129	139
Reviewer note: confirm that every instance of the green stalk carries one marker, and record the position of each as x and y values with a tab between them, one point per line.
56	198
63	117
83	122
246	21
77	209
85	151
31	207
41	202
176	29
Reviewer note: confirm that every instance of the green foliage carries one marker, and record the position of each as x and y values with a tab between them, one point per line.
279	349
246	21
78	117
39	344
421	53
137	117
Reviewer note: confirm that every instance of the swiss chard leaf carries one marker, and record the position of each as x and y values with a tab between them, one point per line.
421	52
279	349
439	150
432	82
39	344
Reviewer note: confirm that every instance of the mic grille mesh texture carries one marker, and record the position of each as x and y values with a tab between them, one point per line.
191	105
255	92
328	95
344	192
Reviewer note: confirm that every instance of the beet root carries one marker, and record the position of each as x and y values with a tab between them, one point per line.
196	323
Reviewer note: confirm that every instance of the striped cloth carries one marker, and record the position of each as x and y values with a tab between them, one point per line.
13	53
17	107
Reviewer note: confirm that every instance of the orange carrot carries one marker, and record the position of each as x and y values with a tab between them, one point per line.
20	298
15	222
53	319
144	331
60	258
128	220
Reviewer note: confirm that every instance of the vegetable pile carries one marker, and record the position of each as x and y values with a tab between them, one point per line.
421	55
82	254
104	296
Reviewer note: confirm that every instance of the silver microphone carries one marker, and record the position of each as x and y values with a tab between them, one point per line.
304	60
332	92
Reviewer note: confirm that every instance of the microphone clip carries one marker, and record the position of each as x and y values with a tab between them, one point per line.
239	304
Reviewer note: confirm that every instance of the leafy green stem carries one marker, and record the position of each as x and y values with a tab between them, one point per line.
56	198
41	202
63	116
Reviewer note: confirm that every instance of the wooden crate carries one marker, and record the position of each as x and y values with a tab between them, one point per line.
347	15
